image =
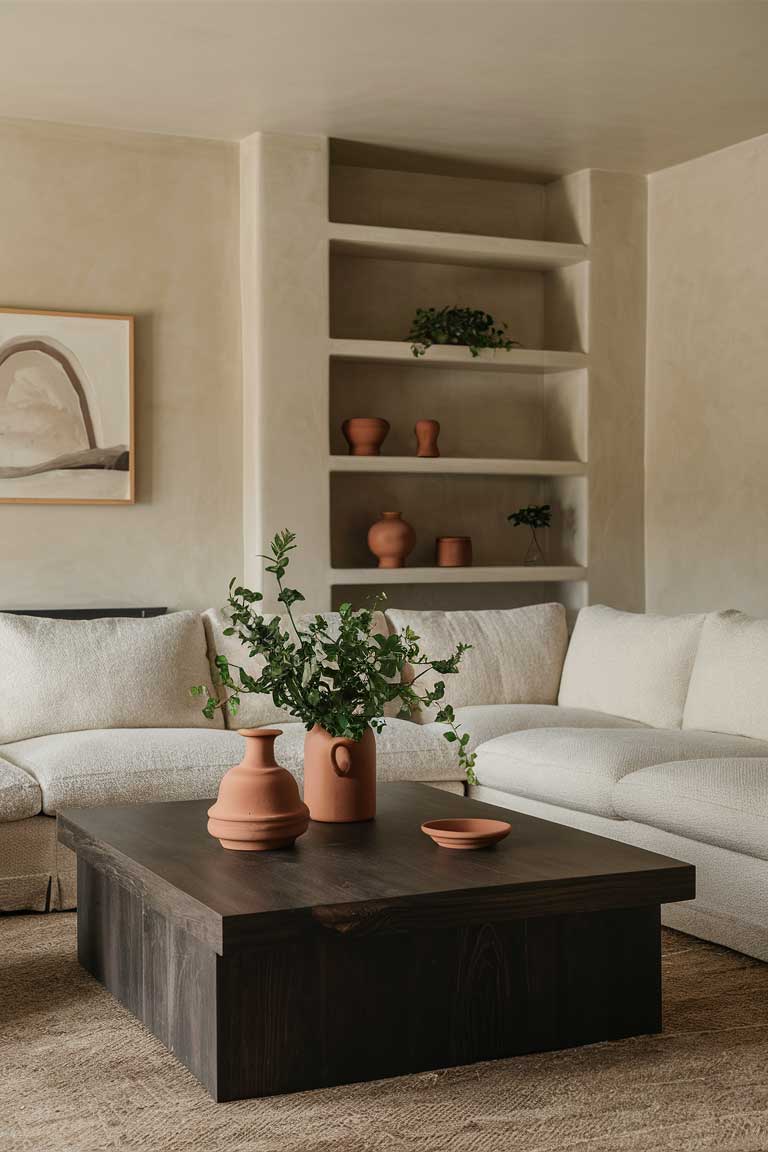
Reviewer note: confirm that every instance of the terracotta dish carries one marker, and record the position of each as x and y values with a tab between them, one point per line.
466	833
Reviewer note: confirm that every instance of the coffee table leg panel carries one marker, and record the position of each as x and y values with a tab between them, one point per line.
159	971
338	1007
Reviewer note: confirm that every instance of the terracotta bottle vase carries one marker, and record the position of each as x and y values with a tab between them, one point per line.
339	777
427	432
453	551
258	805
365	434
391	539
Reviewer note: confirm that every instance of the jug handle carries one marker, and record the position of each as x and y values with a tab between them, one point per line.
341	757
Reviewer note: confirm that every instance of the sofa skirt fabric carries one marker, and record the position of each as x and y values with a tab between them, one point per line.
730	907
28	865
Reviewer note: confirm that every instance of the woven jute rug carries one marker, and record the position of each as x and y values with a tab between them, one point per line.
79	1073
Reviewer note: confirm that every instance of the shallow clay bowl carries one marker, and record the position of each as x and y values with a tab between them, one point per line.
466	833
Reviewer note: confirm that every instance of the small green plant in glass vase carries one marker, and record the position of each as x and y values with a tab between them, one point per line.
336	678
535	516
467	327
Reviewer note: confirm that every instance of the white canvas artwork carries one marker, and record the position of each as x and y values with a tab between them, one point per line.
66	407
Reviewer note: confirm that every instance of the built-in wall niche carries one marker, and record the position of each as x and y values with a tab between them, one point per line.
457	505
481	414
471	202
375	299
458	597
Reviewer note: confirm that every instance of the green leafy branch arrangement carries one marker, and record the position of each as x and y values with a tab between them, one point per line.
340	682
465	326
534	516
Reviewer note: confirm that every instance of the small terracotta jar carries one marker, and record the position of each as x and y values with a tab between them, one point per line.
391	539
453	551
258	805
427	432
339	777
365	434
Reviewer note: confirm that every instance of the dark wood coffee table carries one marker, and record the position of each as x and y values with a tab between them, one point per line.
367	951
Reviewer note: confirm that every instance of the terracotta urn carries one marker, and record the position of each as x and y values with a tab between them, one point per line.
365	434
391	539
339	777
453	551
258	806
427	432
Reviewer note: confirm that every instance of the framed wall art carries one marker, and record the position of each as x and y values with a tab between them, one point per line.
66	408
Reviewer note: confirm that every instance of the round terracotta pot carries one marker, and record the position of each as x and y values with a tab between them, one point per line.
365	434
339	776
427	432
391	539
453	551
258	806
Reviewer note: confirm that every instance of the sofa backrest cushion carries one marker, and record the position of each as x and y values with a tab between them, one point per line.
73	675
516	655
729	683
258	709
631	664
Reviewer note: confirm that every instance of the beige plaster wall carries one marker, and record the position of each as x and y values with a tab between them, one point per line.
707	383
94	221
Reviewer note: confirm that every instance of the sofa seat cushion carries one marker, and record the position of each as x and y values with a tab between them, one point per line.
516	654
72	675
126	765
579	768
487	721
722	801
20	795
631	664
404	751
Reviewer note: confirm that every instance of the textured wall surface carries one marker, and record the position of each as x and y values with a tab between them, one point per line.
707	383
94	221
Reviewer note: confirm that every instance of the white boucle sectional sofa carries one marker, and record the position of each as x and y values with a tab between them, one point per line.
648	729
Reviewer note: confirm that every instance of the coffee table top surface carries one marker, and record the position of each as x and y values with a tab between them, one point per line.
345	874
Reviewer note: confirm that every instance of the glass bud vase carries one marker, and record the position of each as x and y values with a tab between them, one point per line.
535	553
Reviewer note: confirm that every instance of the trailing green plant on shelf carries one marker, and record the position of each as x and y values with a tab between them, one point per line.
533	517
340	682
464	326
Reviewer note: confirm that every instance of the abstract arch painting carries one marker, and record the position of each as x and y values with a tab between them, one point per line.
66	408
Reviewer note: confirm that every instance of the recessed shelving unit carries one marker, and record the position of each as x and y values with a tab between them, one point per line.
447	465
519	360
488	574
370	235
513	422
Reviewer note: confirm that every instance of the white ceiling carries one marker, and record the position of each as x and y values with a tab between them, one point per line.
541	85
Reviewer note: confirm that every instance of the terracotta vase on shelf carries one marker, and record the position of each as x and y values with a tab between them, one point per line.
365	434
391	539
258	806
339	777
453	551
427	432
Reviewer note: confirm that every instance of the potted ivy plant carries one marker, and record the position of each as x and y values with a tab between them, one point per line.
468	327
337	683
533	517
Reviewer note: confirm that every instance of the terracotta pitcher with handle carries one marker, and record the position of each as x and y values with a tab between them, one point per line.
339	777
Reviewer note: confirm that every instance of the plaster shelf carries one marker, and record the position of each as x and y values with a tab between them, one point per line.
397	352
493	574
456	465
452	248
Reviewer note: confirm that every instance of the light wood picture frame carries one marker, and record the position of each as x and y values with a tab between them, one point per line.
67	407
